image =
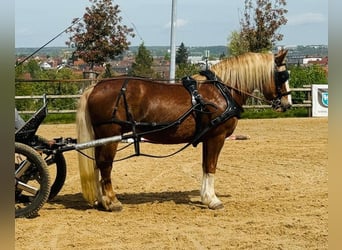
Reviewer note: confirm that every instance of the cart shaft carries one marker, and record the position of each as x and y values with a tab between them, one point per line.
98	142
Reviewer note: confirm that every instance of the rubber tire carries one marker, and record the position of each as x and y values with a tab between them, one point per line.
61	169
31	208
61	172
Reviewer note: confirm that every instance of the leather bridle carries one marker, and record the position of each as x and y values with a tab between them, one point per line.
280	78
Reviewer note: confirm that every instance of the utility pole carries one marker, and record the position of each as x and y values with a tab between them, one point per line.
207	54
173	43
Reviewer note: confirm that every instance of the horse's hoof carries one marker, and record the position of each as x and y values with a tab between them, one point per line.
116	207
111	205
216	206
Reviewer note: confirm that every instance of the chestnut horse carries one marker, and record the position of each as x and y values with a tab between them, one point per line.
125	104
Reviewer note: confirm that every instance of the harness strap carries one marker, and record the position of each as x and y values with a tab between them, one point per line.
280	77
191	85
232	109
122	94
129	118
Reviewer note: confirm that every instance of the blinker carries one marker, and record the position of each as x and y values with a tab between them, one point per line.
282	77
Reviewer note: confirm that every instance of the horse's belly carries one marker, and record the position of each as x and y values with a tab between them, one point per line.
175	134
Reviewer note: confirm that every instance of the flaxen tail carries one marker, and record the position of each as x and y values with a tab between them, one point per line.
89	174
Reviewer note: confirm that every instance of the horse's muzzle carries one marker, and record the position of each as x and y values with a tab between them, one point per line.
279	106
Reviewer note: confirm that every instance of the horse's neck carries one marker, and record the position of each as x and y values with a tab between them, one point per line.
240	90
245	73
240	95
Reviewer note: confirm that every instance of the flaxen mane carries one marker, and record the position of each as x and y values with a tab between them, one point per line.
246	72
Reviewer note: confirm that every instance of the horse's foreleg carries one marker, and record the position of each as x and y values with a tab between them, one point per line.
211	151
104	160
208	196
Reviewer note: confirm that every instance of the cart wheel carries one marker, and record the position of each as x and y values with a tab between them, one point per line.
57	169
32	183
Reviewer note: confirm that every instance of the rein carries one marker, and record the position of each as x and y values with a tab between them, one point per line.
250	95
211	76
138	154
280	77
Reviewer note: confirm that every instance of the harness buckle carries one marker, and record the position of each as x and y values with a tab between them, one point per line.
190	85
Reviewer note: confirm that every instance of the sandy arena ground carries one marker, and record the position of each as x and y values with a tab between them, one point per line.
274	188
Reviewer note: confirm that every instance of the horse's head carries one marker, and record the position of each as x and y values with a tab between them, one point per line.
281	100
257	71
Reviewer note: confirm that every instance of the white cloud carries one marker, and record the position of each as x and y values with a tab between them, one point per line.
179	23
306	18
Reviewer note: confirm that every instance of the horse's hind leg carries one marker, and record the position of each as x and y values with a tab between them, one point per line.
211	150
104	160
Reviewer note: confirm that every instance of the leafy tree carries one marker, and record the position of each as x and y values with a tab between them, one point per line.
143	63
259	26
19	71
99	35
308	75
45	87
313	74
182	54
237	45
167	57
33	68
187	69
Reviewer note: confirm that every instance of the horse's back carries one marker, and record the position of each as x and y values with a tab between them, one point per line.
143	98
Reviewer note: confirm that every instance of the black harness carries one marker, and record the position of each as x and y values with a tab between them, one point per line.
280	77
199	109
232	108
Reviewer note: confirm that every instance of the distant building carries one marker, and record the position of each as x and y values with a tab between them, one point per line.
319	61
195	59
45	65
307	60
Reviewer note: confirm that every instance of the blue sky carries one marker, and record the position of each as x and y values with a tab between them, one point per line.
199	23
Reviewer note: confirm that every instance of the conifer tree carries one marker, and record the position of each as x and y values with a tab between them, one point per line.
182	54
143	63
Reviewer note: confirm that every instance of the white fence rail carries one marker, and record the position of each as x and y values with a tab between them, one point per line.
307	103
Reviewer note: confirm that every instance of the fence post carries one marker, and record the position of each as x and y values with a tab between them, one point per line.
92	75
309	99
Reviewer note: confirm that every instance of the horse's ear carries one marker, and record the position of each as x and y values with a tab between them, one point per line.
280	57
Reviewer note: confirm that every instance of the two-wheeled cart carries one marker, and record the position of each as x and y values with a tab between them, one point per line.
40	171
40	166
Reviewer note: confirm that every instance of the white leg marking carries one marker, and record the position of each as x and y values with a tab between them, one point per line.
208	196
99	187
289	97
